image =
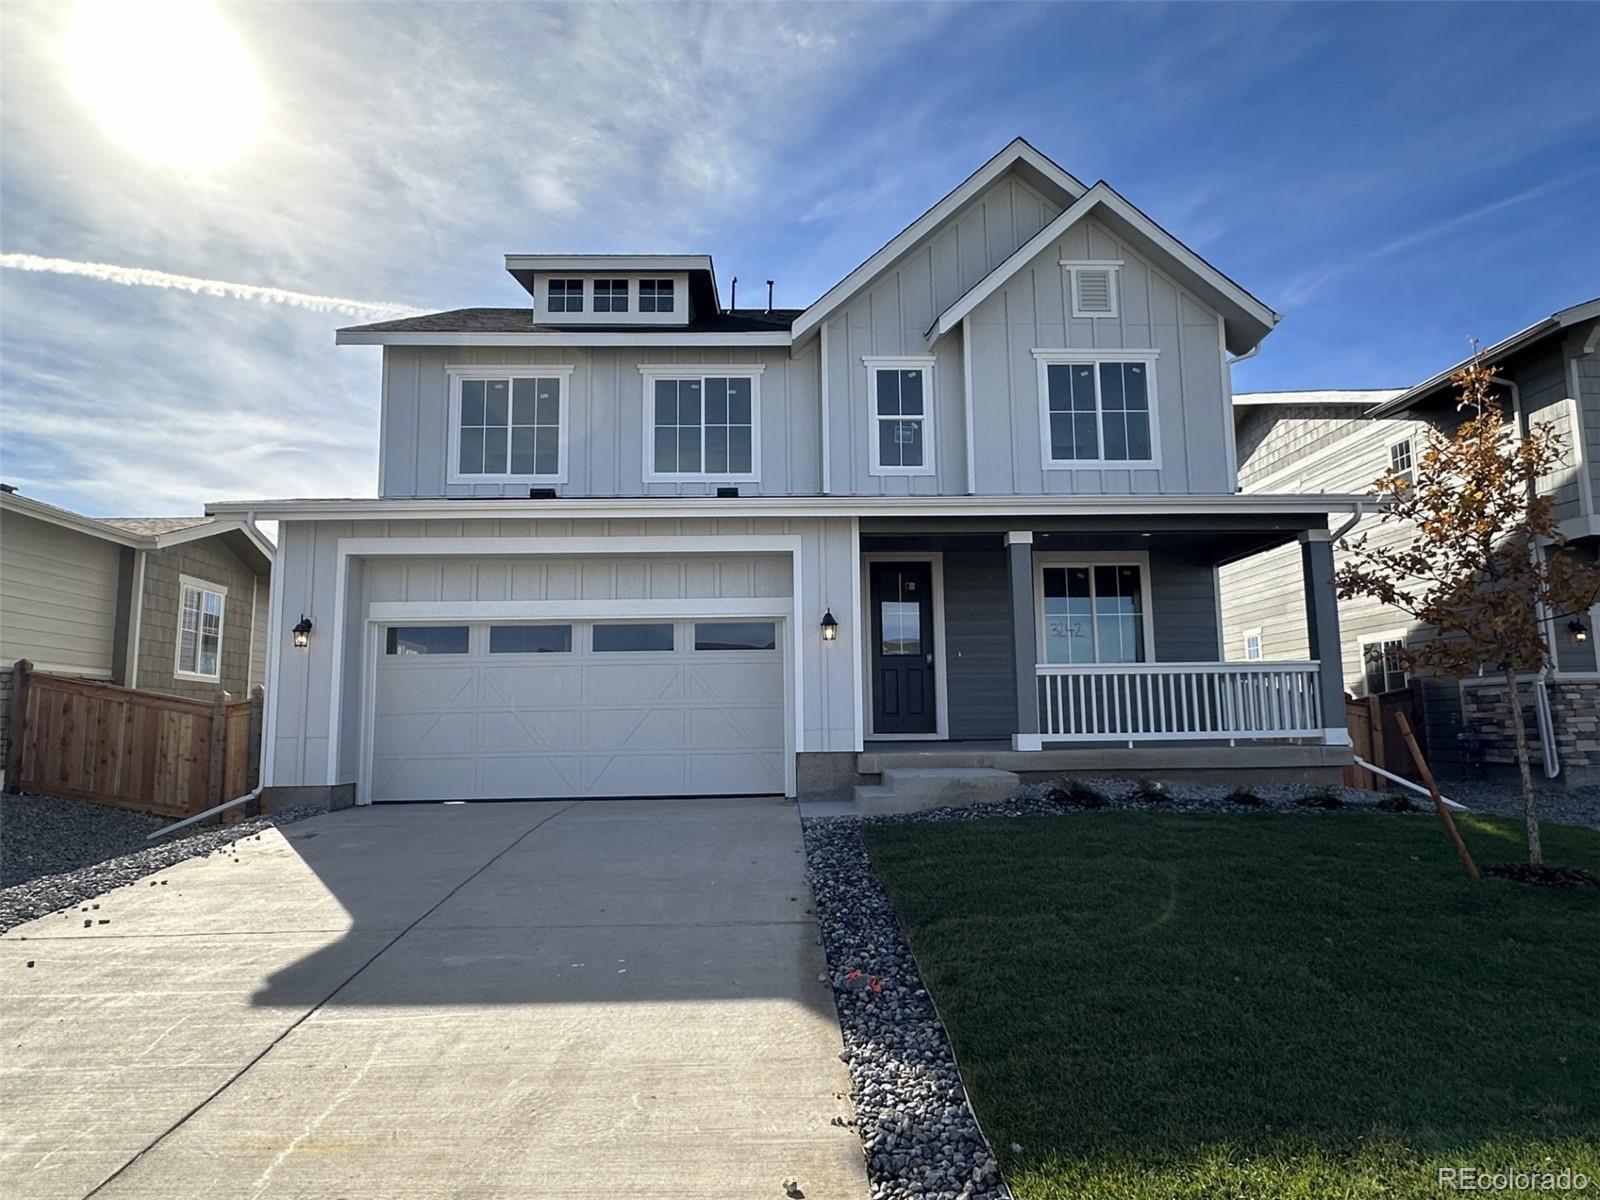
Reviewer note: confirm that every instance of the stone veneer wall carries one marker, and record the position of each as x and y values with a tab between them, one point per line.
1574	712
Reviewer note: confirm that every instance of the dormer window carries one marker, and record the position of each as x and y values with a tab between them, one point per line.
566	295
611	295
655	295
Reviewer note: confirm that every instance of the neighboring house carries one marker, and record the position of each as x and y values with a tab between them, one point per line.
970	502
168	604
1313	442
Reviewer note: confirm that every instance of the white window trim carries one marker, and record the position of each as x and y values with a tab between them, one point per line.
561	373
1378	639
702	371
1044	359
1410	443
913	362
1111	265
585	295
1134	558
1245	636
187	583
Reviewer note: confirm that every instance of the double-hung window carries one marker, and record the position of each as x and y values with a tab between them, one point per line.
1097	409
611	295
900	407
565	295
200	628
1385	671
702	426
508	424
655	295
1092	612
1401	459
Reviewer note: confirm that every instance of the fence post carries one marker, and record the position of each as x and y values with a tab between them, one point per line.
258	707
16	723
219	750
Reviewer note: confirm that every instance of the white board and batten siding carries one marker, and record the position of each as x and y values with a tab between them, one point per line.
58	597
604	565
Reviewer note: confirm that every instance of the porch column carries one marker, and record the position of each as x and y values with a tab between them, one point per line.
1024	643
1322	629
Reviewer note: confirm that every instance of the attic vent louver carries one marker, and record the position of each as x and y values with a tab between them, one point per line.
1094	288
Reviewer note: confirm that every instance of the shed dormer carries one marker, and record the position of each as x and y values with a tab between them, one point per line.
617	290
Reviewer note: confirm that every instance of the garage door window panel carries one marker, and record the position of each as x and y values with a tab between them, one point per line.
530	639
414	640
735	635
633	639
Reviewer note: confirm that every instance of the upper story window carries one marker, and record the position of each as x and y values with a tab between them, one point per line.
200	628
566	295
1097	409
900	396
1093	286
508	423
655	295
701	426
1252	644
1401	461
611	295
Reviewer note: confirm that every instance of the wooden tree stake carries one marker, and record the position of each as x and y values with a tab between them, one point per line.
1433	790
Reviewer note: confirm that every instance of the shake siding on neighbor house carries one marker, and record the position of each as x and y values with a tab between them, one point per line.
1546	387
309	555
1032	312
1586	368
58	597
211	562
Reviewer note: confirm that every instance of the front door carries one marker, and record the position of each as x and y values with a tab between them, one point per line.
901	596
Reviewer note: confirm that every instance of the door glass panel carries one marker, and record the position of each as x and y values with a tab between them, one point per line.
427	639
735	635
530	639
902	627
617	639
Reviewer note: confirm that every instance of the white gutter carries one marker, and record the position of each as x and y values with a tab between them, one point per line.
201	816
1415	787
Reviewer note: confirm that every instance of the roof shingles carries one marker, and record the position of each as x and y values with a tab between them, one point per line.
520	320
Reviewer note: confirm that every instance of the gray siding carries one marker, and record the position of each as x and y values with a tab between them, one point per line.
606	420
1586	369
212	562
1030	312
1183	601
58	597
1545	384
980	684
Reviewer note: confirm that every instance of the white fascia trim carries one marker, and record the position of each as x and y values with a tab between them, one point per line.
654	371
52	515
900	362
484	547
608	262
196	533
644	507
841	292
391	611
566	338
457	372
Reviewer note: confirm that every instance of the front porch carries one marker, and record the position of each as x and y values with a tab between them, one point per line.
1088	645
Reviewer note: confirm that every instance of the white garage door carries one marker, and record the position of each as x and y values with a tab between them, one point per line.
602	708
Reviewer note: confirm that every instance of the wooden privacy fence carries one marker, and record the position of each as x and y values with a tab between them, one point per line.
1375	736
130	748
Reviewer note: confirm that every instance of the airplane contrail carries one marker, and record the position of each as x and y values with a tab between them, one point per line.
145	277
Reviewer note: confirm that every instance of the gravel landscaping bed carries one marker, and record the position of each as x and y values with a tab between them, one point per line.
56	850
920	1136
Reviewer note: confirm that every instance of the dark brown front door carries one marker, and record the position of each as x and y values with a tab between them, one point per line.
901	595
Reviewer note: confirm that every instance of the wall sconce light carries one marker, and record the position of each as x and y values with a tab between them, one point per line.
830	627
302	632
1578	630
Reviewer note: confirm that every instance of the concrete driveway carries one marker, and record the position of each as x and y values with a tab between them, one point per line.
608	998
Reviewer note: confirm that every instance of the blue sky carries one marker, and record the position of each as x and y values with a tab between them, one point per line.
1393	178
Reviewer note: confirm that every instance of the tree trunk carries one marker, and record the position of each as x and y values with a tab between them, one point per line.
1530	820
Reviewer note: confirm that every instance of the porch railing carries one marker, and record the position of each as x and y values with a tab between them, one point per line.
1129	702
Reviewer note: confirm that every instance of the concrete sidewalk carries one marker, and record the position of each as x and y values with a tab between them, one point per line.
610	998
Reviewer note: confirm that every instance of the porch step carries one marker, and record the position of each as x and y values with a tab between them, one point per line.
916	789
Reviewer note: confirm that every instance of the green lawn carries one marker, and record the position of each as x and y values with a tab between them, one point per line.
1271	1006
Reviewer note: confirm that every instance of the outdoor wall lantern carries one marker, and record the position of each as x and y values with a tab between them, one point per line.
302	632
1578	630
830	627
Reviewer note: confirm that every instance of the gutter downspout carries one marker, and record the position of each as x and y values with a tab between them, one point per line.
1541	691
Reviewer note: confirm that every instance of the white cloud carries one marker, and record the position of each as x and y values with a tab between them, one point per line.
374	310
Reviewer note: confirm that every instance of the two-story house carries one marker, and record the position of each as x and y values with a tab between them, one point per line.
966	507
1340	442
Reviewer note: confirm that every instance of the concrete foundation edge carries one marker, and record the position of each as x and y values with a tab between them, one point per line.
329	797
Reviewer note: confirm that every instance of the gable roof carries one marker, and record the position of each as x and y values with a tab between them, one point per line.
1019	154
1554	323
145	533
1246	320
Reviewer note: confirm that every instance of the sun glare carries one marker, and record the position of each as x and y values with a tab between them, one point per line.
168	79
